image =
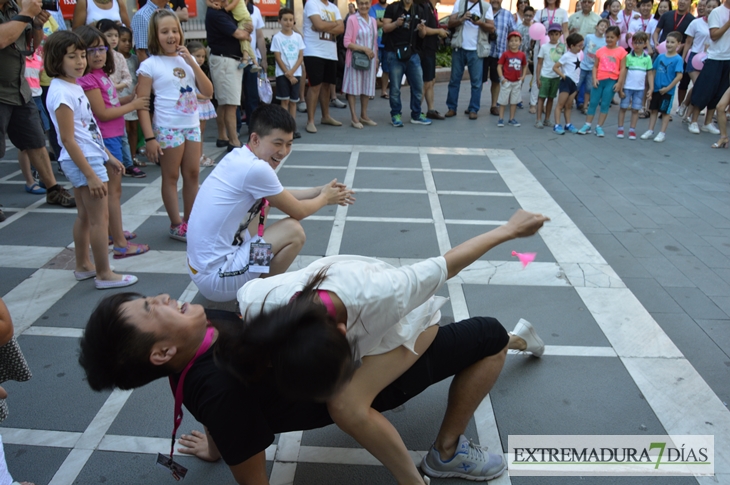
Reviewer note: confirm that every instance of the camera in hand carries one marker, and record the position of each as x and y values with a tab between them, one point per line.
49	5
406	21
475	18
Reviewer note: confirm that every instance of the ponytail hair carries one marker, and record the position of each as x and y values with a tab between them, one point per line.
298	346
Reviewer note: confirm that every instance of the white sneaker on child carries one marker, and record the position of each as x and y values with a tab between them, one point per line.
660	137
647	134
526	332
694	128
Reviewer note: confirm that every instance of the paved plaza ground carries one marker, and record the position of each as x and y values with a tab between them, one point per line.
630	291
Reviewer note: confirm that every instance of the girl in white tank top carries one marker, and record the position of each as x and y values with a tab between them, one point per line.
94	13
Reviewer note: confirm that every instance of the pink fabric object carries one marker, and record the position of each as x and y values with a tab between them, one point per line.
33	68
537	31
96	79
698	61
351	30
525	258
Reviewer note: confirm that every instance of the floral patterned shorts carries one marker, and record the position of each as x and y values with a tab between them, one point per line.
174	137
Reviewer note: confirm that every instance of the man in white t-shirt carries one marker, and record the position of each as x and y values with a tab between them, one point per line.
230	210
322	24
714	77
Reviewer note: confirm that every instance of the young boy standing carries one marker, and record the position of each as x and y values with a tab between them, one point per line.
609	73
549	81
288	49
512	69
592	43
638	72
568	69
668	69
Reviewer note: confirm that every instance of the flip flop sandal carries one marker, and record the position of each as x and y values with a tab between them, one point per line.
207	161
121	253
35	189
127	235
385	96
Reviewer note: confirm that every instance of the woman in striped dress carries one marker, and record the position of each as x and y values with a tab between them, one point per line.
360	35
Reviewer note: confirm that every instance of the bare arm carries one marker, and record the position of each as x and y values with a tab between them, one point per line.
251	471
65	119
305	202
390	26
557	69
566	32
182	14
261	46
718	32
79	17
124	14
103	113
10	31
6	324
144	88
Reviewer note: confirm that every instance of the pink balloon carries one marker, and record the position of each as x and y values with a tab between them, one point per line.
545	40
537	31
662	48
698	61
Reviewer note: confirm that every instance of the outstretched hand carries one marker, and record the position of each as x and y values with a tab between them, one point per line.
337	193
196	444
523	223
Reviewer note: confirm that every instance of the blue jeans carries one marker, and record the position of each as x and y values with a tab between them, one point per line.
414	74
585	84
250	92
461	58
126	152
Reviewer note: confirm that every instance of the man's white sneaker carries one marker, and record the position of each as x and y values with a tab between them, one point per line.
681	110
526	332
647	134
694	128
660	137
711	128
470	461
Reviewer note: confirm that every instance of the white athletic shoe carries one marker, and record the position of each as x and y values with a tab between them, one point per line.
660	137
681	110
694	128
647	134
710	128
526	332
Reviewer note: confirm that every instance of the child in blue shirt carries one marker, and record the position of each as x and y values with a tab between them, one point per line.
668	70
592	43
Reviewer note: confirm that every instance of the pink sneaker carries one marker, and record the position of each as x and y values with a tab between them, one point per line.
179	232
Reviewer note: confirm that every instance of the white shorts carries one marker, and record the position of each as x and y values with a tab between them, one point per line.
510	92
220	283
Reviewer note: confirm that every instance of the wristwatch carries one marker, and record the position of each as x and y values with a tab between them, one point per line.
22	18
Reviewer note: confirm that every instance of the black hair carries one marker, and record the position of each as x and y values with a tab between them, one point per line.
285	11
528	8
269	117
105	25
123	30
56	48
296	346
115	353
613	30
90	35
574	39
656	15
644	2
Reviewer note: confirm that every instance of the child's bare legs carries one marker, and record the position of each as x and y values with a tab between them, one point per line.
634	119
170	162
24	163
652	119
562	101
512	111
351	409
621	117
665	121
97	225
501	111
116	230
81	234
540	105
569	107
190	169
548	109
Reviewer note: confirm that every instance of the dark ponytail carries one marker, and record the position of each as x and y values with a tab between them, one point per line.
297	345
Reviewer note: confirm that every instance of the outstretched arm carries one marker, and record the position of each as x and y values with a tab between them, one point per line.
521	224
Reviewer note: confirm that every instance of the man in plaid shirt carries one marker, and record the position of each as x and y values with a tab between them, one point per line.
140	23
504	23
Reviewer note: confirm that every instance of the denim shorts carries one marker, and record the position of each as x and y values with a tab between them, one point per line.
174	137
77	178
634	99
114	145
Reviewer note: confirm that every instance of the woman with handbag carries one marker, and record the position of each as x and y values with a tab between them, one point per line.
361	42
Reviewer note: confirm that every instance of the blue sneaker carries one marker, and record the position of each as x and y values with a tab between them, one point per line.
520	105
421	120
470	461
585	129
569	127
514	122
396	121
559	130
599	132
500	122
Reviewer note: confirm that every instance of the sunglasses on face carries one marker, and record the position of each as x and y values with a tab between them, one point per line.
96	50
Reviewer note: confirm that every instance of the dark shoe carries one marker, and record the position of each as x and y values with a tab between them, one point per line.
221	143
134	172
2	215
434	115
231	148
450	113
580	107
494	111
297	135
473	115
60	197
466	111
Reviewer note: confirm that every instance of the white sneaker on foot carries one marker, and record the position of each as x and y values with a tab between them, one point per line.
710	128
470	461
660	137
694	128
647	134
526	332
